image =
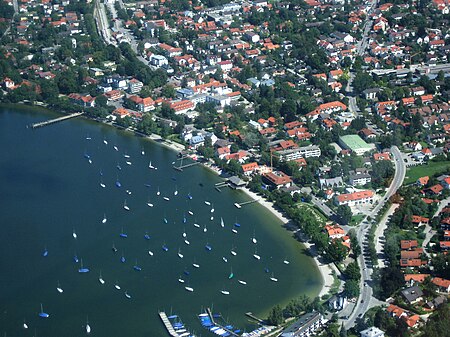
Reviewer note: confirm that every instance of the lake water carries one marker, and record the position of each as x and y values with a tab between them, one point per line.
49	191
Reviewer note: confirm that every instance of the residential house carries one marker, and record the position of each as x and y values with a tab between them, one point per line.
86	101
355	198
372	332
142	104
249	168
408	244
277	179
305	326
442	284
412	294
299	152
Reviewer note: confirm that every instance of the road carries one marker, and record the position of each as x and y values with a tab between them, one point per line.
366	300
381	227
423	69
322	206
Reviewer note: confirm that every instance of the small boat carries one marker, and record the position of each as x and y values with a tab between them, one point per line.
116	148
126	156
231	274
222	224
189	196
60	290
166	198
189	288
114	249
125	206
102	184
233	252
74	234
150	253
256	256
100	279
234	230
88	137
286	261
165	248
88	327
116	285
207	202
184	234
82	269
205	229
149	204
196	265
122	258
158	192
179	253
273	279
176	191
225	292
266	269
242	282
184	219
212	209
237	224
104	218
105	142
211	218
123	235
187	242
128	192
143	152
196	225
165	220
186	272
90	161
254	238
43	314
118	184
180	280
45	253
224	259
136	267
25	325
75	258
128	162
190	213
146	236
237	205
208	247
150	166
118	167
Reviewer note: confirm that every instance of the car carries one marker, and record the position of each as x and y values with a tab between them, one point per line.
360	315
362	301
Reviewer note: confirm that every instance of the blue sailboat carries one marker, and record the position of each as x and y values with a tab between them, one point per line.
208	247
118	184
189	196
146	236
42	313
136	267
122	258
184	219
75	258
45	253
83	269
123	235
165	248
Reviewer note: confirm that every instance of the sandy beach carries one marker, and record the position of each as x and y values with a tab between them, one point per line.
324	269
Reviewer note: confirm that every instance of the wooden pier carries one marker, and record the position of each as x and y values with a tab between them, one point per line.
167	324
232	333
250	314
240	204
181	167
56	120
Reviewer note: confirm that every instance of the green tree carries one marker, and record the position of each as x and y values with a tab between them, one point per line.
345	213
351	288
275	316
362	81
352	271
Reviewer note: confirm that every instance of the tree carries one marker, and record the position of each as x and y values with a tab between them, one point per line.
336	251
352	271
438	324
362	81
345	213
351	288
275	316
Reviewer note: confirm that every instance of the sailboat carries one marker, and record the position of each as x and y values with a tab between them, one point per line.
165	248
143	152
225	292
158	192
125	206
105	142
176	191
128	192
189	196
212	209
114	249
224	259
208	247
128	162
118	184
25	325
126	155
184	218
118	167
88	327
187	242
150	166
273	279
184	233
83	269
180	280
150	253
45	252
123	235
207	203
42	313
286	261
146	236
116	285
100	279
149	204
179	253
195	264
74	234
165	220
166	198
116	148
60	290
102	184
242	282
75	258
233	251
190	213
256	256
231	274
122	258
104	218
222	224
254	238
136	267
127	295
188	288
88	137
205	229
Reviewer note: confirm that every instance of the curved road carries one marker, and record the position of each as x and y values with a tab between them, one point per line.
366	300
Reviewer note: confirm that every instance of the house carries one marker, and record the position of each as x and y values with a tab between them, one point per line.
436	302
372	332
359	178
299	152
381	156
444	245
305	326
331	182
371	93
446	183
442	284
422	181
197	141
277	179
114	95
182	107
249	168
436	189
418	220
355	198
134	86
411	263
412	279
408	244
84	100
412	294
142	104
335	231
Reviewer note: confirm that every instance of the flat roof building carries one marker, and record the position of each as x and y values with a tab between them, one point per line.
305	326
356	144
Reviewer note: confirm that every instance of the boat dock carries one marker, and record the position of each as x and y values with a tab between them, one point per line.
167	324
56	120
220	185
250	314
181	167
239	205
211	316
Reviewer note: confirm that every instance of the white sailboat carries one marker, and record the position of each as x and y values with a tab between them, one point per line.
100	279
179	253
88	327
150	253
116	285
205	229
286	261
225	292
128	162
25	325
222	224
60	290
224	259
166	198
176	191
105	142
158	192
273	279
102	184
180	280
116	148
190	213
74	234
127	295
212	209
207	202
256	256
233	251
149	204
195	264
125	206
104	218
187	242
242	282
190	289
196	225
254	238
143	152
150	166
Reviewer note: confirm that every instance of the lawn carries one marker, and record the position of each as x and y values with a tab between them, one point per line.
433	167
356	219
317	214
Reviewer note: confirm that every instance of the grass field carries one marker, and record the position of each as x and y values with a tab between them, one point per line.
317	214
414	173
356	219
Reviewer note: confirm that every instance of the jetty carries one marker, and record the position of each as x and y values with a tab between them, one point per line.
240	204
181	166
224	328
259	320
167	324
56	120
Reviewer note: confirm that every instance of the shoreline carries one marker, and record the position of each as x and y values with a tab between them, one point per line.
324	269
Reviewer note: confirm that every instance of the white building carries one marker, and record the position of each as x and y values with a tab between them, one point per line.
158	60
305	326
299	152
372	332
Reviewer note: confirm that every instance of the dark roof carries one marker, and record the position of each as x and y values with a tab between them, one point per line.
412	293
303	323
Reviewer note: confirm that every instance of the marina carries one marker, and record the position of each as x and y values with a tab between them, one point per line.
63	197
